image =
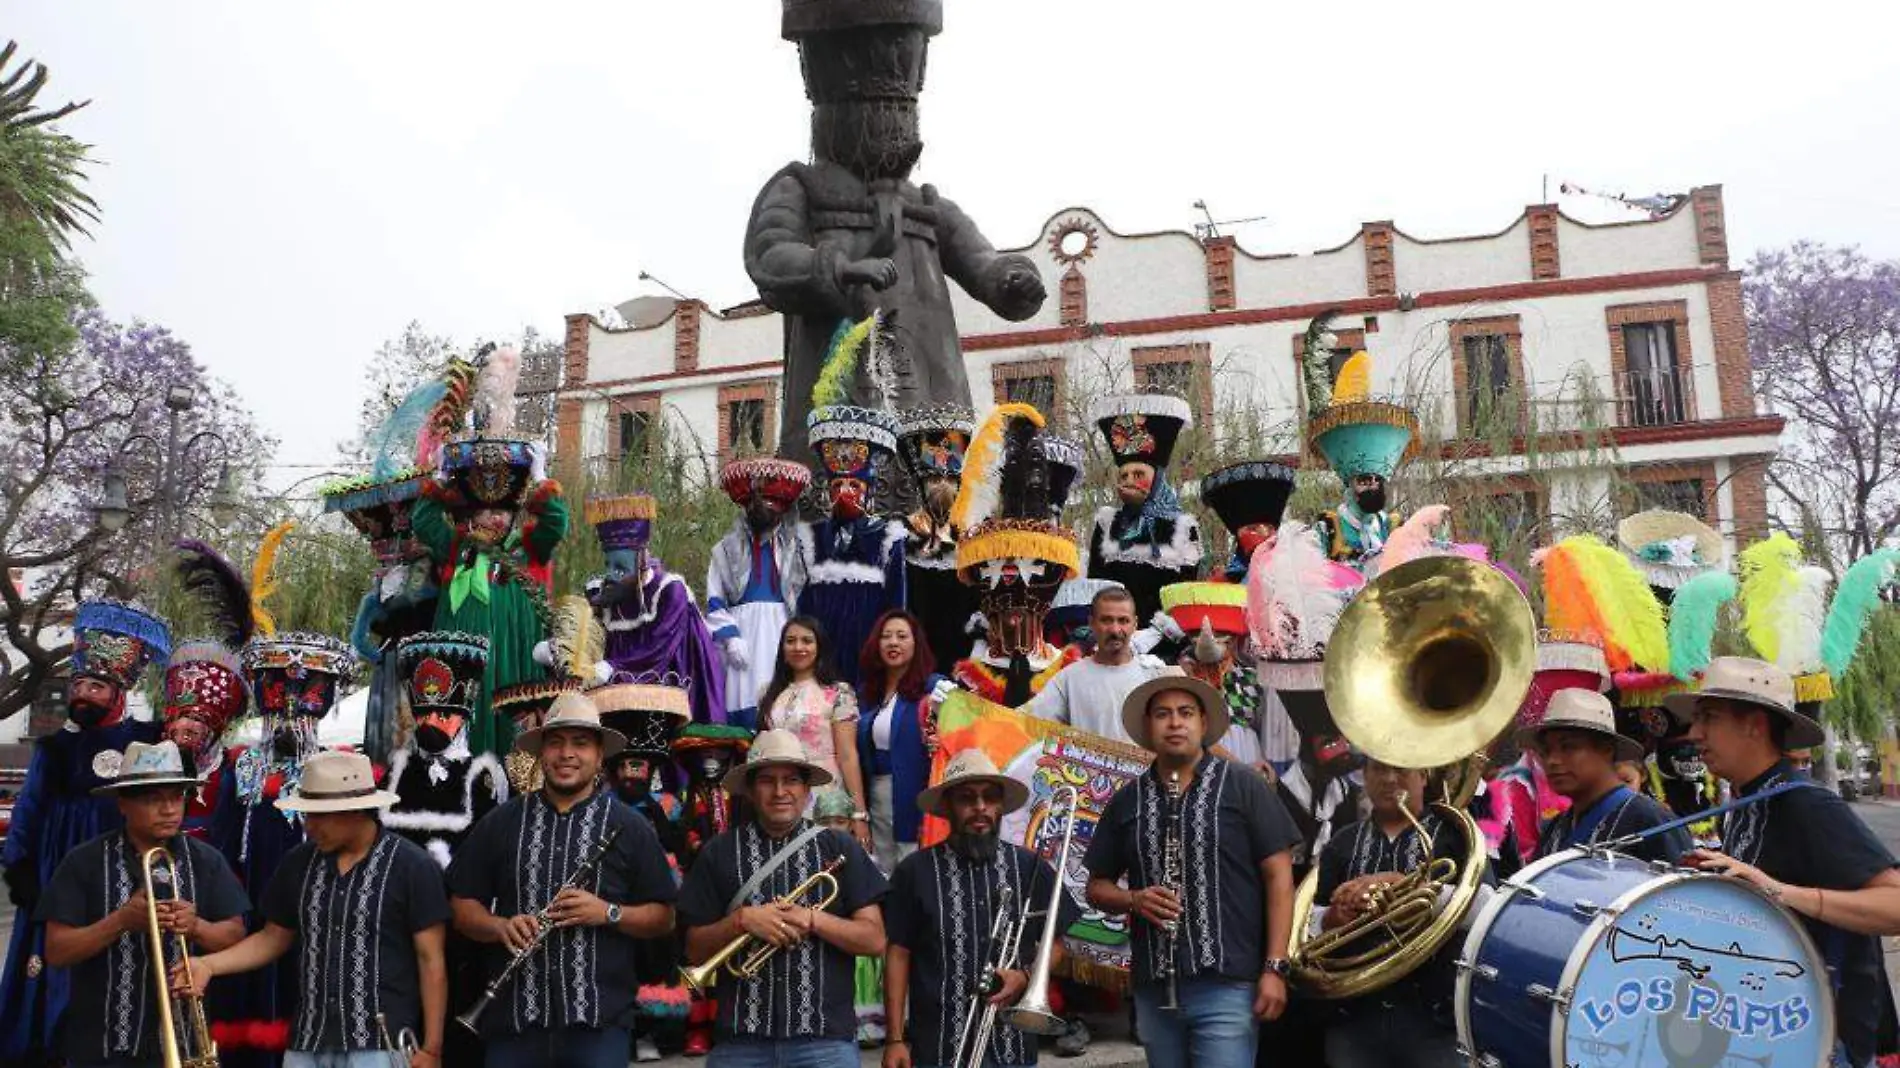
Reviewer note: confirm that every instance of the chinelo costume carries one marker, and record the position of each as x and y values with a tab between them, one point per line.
113	643
653	624
1148	543
854	560
442	787
205	685
1014	550
756	575
931	442
575	656
1250	498
1359	437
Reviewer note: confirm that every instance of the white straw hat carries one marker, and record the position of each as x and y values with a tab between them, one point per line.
972	766
1753	682
1576	709
335	781
775	748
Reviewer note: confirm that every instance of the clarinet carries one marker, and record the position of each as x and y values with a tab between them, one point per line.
1171	878
582	874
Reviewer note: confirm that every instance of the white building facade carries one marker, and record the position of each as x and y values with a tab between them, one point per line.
1626	340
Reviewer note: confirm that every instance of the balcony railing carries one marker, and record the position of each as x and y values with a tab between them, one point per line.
1654	398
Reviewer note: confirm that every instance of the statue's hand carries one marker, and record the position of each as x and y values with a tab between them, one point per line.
878	273
1022	285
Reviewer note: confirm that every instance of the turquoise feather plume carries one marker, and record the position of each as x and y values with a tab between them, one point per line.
1693	614
392	448
1855	600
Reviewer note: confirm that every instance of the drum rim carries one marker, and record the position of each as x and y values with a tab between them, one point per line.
1481	929
1594	933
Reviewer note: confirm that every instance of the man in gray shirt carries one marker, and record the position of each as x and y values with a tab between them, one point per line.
1088	694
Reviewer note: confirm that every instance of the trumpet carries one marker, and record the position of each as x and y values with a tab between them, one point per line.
471	1019
193	1047
702	978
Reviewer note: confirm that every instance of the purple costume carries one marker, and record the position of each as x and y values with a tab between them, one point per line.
653	625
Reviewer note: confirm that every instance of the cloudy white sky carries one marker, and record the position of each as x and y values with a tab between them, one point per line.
286	185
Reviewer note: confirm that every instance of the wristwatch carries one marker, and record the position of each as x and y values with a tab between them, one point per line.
1280	966
861	817
613	915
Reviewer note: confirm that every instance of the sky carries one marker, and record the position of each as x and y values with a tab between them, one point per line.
286	185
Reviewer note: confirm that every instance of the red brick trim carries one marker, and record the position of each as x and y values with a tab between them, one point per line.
764	391
1621	437
1220	273
641	380
1545	261
649	403
574	355
1748	497
1711	225
1001	374
1074	290
1198	355
1674	312
567	433
1505	326
1556	287
1381	276
686	315
1734	378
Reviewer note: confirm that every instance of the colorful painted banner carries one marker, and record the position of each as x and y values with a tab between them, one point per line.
1048	756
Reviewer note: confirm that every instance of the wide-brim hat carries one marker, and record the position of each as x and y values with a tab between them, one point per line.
1249	492
780	481
1581	710
1142	427
1365	438
527	703
774	749
1670	548
572	711
967	767
1753	682
1213	706
336	781
145	764
1021	539
355	497
696	736
298	652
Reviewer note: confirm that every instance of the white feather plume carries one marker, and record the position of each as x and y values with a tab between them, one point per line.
1293	603
495	389
1803	620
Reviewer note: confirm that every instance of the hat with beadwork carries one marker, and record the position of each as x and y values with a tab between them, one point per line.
442	671
205	682
115	641
1248	493
624	521
695	737
1015	481
1075	599
850	439
780	482
1142	427
297	673
1357	434
931	441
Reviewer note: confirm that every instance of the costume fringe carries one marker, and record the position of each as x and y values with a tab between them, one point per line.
996	542
626	506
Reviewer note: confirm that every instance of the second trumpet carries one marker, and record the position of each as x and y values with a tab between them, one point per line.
745	956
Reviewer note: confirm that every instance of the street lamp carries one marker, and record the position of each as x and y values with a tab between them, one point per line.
114	508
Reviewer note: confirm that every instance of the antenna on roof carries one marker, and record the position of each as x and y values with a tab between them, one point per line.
661	282
1211	228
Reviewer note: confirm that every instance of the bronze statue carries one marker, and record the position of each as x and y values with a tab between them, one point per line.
848	234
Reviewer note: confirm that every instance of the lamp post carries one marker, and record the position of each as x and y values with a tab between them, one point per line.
114	508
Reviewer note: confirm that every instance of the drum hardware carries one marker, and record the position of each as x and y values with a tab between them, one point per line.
1426	666
1486	972
1585	908
544	926
1544	993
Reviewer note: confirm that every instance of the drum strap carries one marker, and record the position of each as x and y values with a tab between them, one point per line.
1711	813
1587	824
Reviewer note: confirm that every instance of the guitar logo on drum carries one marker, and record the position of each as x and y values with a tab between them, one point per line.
1626	945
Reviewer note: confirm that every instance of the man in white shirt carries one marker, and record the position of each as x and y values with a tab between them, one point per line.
1089	693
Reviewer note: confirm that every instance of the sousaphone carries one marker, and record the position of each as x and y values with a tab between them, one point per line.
1427	665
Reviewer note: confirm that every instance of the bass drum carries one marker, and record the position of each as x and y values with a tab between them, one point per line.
1594	959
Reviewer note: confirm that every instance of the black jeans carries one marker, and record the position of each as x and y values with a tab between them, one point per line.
1399	1032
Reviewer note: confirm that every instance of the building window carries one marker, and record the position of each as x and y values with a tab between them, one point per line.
1487	375
634	427
1487	378
1652	386
747	419
1674	495
1037	382
1038	391
1185	371
745	425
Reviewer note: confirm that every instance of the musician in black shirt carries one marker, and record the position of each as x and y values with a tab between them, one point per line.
1212	925
1579	747
1805	847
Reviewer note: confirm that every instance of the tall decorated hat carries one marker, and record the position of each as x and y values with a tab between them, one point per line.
849	440
442	671
297	673
1295	596
1564	662
403	449
1670	548
932	441
1142	427
1357	434
781	482
205	682
114	641
1248	493
648	712
623	522
1222	606
491	465
1016	479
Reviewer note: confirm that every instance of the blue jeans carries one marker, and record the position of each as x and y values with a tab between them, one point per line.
783	1053
373	1058
1214	1028
574	1047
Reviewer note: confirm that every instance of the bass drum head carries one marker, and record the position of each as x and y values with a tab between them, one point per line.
1695	971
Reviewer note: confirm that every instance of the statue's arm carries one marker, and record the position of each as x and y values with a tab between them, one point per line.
794	273
1007	282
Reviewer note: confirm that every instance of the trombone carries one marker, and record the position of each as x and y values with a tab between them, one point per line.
702	978
192	1047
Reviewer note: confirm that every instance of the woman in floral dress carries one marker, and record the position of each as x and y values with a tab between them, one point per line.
806	698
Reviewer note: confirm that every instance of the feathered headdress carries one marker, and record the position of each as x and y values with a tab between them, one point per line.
217	587
1418	536
1316	360
445	418
1593	590
576	646
495	391
982	483
1295	595
1854	601
1693	616
865	344
263	582
1768	578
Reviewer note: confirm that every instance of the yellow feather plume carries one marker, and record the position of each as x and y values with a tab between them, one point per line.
1628	607
1355	379
262	584
1767	570
983	465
